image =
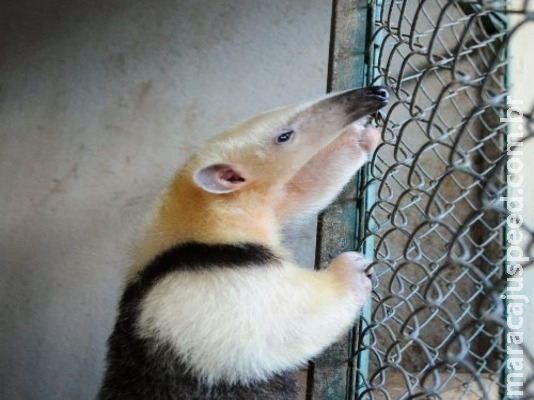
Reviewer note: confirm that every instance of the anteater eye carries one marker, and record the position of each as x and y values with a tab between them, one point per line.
284	137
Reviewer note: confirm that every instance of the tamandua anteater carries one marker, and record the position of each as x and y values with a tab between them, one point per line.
215	307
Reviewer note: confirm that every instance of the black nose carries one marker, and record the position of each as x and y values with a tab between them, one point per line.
380	93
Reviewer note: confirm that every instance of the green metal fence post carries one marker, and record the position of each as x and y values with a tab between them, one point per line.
333	375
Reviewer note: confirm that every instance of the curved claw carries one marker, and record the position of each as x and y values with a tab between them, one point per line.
374	278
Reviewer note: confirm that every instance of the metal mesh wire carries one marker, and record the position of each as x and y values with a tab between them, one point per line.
437	324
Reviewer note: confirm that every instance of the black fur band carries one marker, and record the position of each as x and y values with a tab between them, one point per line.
143	369
195	256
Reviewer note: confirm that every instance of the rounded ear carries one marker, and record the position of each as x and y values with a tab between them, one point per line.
219	178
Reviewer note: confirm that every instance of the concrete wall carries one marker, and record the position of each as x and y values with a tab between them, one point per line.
521	69
100	102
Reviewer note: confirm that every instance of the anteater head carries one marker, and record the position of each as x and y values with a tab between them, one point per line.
269	149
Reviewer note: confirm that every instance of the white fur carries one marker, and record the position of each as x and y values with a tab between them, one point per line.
321	179
243	325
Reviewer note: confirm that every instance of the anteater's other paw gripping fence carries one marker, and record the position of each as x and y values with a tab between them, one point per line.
429	207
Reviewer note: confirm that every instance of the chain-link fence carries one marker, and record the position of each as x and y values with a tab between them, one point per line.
437	325
430	208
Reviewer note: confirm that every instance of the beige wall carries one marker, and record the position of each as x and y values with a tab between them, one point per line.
99	103
522	65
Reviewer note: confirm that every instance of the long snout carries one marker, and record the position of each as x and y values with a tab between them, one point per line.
358	103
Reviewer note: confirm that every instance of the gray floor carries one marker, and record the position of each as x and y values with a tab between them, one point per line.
99	104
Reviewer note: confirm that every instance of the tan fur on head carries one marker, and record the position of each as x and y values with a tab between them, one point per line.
243	183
